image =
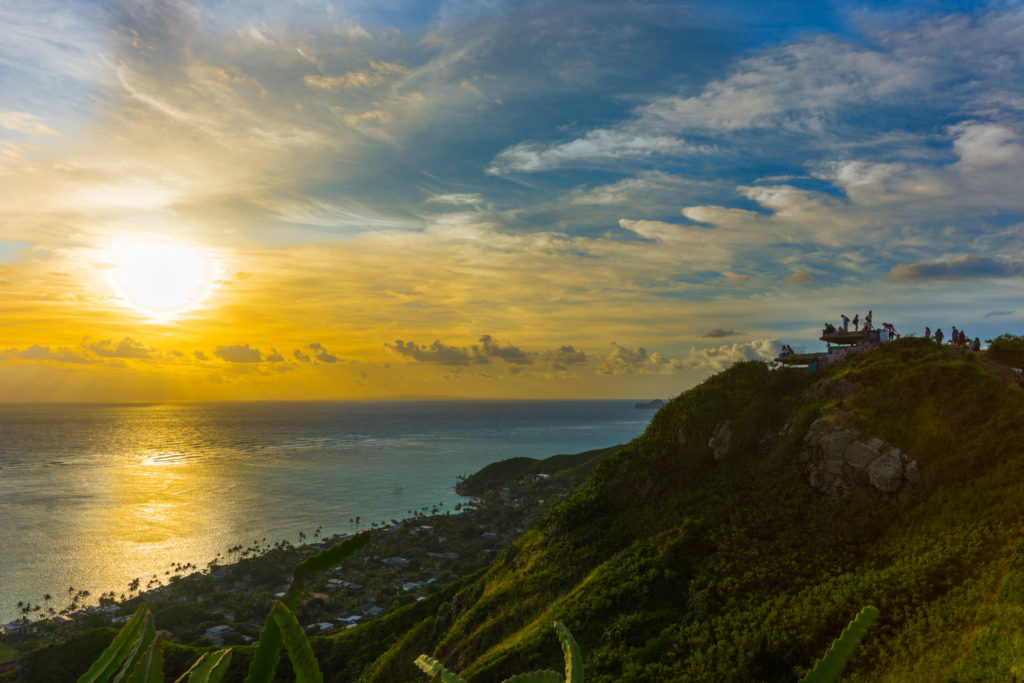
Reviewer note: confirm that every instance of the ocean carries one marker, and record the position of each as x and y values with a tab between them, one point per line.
94	495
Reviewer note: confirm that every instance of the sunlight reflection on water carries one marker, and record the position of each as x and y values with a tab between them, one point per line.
95	496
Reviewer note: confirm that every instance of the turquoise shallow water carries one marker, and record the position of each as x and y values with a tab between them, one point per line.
95	495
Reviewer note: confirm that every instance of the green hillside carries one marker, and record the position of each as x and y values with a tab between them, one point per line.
735	539
570	468
674	562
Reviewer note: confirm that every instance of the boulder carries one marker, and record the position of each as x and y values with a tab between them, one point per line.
860	454
886	472
838	458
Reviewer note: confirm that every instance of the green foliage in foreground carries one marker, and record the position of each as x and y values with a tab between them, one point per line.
136	654
826	670
832	664
571	652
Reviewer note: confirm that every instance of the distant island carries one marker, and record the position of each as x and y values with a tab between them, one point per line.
734	540
656	403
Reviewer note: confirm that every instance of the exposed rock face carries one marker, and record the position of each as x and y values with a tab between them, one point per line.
840	458
886	472
719	442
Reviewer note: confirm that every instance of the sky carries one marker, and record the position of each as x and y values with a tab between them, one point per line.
350	200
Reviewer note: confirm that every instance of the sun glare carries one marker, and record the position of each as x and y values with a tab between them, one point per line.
161	279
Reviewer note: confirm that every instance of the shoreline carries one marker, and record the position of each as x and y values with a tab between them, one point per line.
406	561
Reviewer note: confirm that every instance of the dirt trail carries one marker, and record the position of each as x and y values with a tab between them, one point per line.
1001	370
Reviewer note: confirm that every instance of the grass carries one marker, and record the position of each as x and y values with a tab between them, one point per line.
669	565
7	653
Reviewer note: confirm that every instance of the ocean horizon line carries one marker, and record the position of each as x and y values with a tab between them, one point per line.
394	399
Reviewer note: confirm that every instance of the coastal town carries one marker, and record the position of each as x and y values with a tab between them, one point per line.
226	602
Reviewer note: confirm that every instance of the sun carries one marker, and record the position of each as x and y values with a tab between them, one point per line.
161	278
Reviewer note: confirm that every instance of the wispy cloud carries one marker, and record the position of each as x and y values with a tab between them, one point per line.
597	147
383	174
966	266
368	78
720	332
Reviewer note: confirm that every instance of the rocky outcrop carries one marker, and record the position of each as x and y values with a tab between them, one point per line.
838	458
720	440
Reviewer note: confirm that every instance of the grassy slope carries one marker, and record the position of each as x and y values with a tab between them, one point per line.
571	468
668	565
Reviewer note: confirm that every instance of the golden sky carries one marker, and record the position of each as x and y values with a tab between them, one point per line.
533	200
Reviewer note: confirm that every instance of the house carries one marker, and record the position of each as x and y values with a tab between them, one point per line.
63	620
320	626
16	627
218	633
370	609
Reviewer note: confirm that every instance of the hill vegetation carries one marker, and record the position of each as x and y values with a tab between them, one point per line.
568	469
686	555
669	565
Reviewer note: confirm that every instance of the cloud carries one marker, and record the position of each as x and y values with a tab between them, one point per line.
200	355
624	360
274	357
800	278
565	356
992	314
656	186
595	148
507	353
321	354
435	353
457	199
659	231
719	332
301	356
984	143
22	122
238	353
962	268
455	355
372	77
43	353
126	348
720	215
721	357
